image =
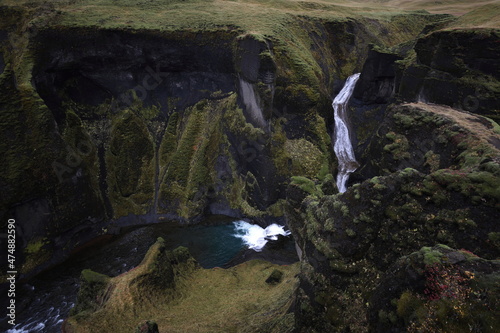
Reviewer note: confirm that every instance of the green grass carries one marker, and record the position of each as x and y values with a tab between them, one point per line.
204	300
289	25
487	16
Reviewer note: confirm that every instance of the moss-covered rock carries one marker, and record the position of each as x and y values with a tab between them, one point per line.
350	239
93	294
437	289
455	67
130	165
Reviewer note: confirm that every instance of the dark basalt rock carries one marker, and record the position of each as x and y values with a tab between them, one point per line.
277	244
2	64
377	80
275	277
373	92
105	64
456	68
147	327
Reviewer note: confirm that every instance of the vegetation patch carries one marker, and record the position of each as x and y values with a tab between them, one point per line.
200	300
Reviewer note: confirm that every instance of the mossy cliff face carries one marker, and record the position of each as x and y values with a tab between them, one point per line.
437	289
443	188
455	68
169	288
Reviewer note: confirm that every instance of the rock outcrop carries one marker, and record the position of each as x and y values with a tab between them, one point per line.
414	198
455	68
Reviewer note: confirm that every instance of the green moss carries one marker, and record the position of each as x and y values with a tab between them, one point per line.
318	127
434	191
351	233
407	304
130	164
189	143
277	209
169	141
35	246
236	122
432	160
483	183
399	146
306	159
431	256
89	276
306	185
187	160
35	254
494	238
93	292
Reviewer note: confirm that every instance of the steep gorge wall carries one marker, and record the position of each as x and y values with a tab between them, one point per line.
136	125
456	68
429	176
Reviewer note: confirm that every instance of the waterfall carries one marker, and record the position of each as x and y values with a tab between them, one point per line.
256	237
252	103
343	147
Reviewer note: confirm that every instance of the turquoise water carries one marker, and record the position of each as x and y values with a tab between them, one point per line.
215	246
211	246
49	296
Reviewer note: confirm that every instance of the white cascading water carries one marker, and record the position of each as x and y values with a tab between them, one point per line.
255	237
252	104
343	147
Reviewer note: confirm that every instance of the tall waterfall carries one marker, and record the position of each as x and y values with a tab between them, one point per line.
343	147
252	103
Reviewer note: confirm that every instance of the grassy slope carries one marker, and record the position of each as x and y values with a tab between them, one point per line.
211	300
454	7
264	17
487	16
475	124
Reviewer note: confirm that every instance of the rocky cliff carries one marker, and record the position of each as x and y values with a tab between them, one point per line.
106	127
114	116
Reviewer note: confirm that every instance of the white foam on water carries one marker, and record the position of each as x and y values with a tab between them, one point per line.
35	324
27	328
256	237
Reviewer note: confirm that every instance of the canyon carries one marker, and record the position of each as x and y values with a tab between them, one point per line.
117	117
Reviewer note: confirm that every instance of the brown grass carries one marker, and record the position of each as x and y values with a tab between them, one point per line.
209	300
481	127
454	7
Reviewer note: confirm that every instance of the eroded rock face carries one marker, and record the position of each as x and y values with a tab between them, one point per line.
173	71
377	82
446	194
455	68
128	126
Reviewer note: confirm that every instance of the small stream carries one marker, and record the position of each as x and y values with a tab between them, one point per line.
45	301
